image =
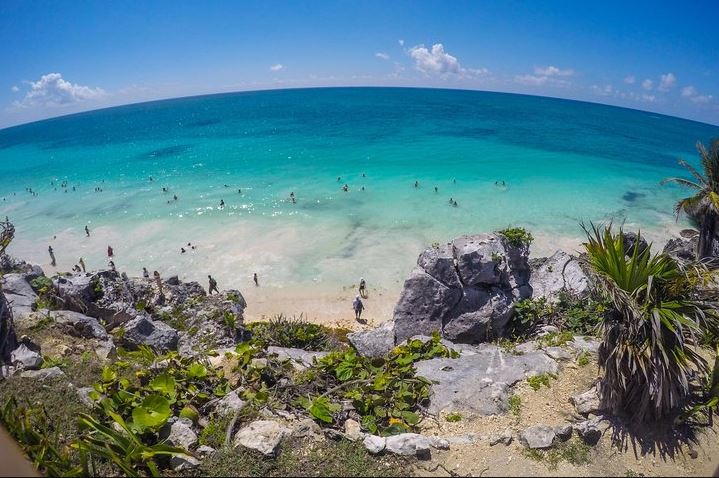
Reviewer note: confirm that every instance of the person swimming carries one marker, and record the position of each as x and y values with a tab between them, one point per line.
416	184
436	189
239	191
345	188
182	250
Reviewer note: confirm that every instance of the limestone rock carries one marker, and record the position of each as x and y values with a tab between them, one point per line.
563	432
591	430
79	325
407	444
479	383
261	435
504	437
43	374
229	404
587	402
585	344
184	462
155	334
353	430
205	451
374	444
179	434
300	359
375	342
480	315
537	437
22	358
560	272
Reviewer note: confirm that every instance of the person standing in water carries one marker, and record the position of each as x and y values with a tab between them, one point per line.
52	256
213	285
358	307
145	273
87	231
82	264
110	251
362	288
112	266
254	277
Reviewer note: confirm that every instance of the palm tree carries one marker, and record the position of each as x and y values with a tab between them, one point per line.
703	206
7	329
649	337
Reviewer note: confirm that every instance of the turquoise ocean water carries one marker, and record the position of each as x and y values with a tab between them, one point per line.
562	162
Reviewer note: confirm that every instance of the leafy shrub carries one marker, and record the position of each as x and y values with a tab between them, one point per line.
583	358
453	417
41	284
555	339
574	451
517	236
283	331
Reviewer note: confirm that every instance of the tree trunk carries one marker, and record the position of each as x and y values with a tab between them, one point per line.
706	236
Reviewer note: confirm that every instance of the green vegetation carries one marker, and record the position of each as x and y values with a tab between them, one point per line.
536	381
584	358
517	236
293	332
555	339
515	405
649	350
303	458
573	451
570	314
453	417
703	206
508	346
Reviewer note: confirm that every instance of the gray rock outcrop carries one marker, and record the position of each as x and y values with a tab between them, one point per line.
79	325
374	342
560	272
537	437
465	289
262	435
153	333
478	383
23	358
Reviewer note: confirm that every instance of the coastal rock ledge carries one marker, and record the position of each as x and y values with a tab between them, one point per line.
465	289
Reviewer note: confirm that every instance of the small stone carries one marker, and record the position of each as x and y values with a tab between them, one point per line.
591	430
563	432
353	430
693	453
229	404
539	436
306	428
261	435
558	353
179	434
407	444
184	462
374	444
25	359
587	402
204	450
505	437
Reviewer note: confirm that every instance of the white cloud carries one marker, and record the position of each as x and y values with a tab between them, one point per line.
436	61
689	91
630	80
277	67
667	82
14	89
552	71
383	56
53	90
647	84
604	90
548	75
401	42
694	96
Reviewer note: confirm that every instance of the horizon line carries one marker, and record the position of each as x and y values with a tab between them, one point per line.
265	90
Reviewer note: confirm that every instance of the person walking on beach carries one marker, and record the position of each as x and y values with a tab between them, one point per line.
362	288
112	266
358	307
52	256
87	231
254	277
213	285
158	281
110	251
82	264
145	274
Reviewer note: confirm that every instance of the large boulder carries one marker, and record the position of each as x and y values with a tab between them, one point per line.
79	325
19	294
478	383
23	358
263	436
374	342
465	289
558	273
681	248
155	334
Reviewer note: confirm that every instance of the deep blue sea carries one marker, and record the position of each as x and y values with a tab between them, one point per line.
546	164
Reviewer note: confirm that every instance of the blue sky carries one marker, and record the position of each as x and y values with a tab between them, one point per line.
60	57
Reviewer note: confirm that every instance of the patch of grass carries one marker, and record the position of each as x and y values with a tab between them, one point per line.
515	405
574	451
583	358
536	381
49	362
632	473
556	339
453	417
508	346
214	433
282	331
304	458
43	323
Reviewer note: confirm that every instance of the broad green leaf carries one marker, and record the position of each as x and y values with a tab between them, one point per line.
164	383
153	412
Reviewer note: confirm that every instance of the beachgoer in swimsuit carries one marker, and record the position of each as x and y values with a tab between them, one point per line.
110	251
213	285
363	288
145	273
254	277
87	231
358	307
52	255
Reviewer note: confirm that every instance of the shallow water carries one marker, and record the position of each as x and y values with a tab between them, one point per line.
562	162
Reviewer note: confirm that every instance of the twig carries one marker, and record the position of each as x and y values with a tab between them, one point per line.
230	427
